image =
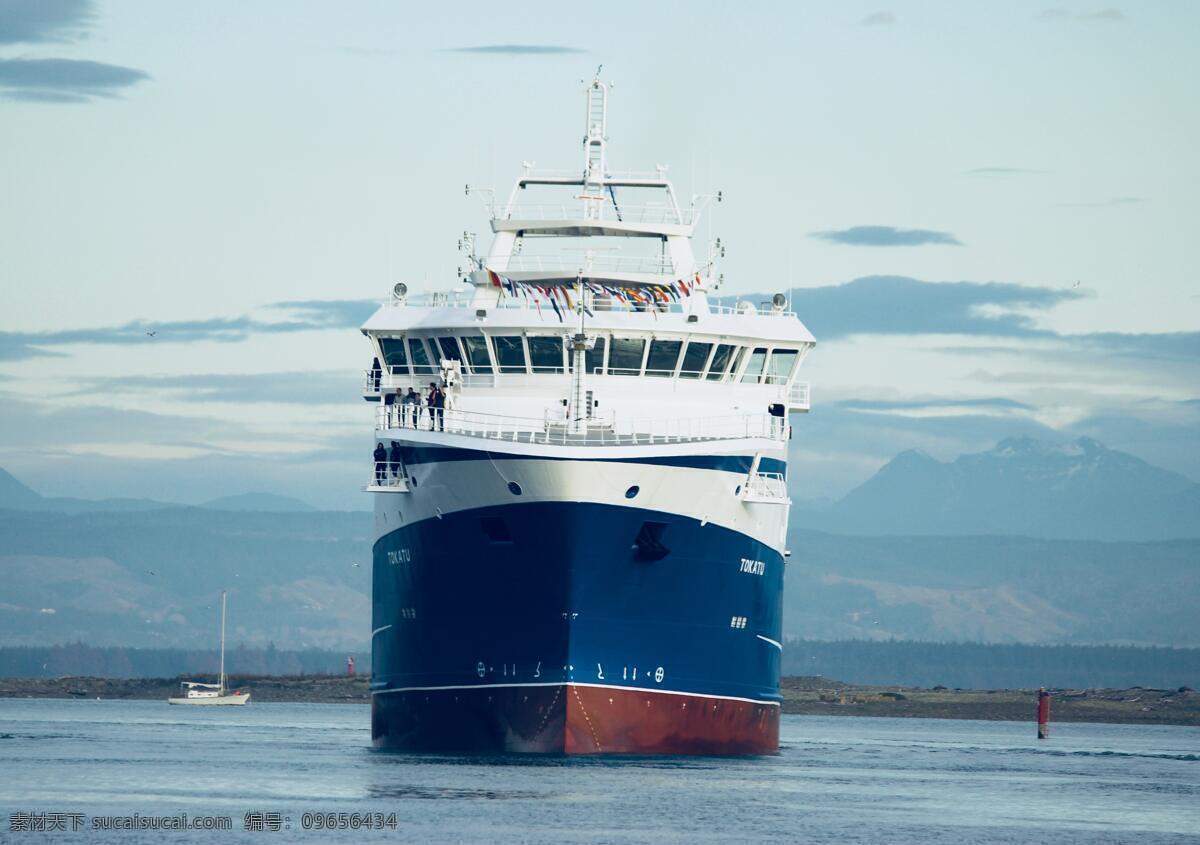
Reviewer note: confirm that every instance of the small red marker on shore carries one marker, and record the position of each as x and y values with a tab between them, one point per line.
350	665
1043	713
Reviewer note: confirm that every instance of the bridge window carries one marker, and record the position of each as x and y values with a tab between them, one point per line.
625	356
739	355
546	353
693	359
421	364
754	369
395	356
593	358
510	353
477	354
780	367
664	355
449	348
720	361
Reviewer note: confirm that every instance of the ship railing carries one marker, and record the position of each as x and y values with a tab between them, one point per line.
652	264
611	175
554	428
607	213
765	487
684	305
800	395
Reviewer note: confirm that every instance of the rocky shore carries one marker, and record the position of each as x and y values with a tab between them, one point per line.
1136	705
801	695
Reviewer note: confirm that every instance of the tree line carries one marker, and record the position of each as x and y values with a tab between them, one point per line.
992	666
79	659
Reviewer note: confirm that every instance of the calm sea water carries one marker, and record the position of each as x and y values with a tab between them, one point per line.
836	780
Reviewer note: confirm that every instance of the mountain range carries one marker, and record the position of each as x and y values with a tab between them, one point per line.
1080	490
16	496
1025	543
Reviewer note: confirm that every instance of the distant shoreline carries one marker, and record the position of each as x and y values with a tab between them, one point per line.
801	695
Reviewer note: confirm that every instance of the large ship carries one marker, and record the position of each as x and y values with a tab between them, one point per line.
580	531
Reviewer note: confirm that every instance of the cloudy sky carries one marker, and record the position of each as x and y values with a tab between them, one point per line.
932	180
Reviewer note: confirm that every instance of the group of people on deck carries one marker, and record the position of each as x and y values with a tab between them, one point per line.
410	405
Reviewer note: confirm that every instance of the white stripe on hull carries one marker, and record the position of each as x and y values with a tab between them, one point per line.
706	495
577	684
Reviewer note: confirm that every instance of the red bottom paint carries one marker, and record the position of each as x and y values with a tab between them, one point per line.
571	719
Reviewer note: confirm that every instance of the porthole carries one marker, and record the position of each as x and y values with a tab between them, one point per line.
737	491
632	491
413	480
514	488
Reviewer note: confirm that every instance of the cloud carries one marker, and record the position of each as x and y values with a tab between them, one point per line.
307	315
1100	16
38	21
998	403
894	305
64	80
1002	171
336	387
886	236
516	49
878	19
901	305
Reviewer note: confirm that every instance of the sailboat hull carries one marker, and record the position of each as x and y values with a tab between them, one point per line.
232	698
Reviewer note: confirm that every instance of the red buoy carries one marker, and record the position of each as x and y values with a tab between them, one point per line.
350	665
1043	713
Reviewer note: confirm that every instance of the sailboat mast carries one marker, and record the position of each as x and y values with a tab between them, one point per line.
222	681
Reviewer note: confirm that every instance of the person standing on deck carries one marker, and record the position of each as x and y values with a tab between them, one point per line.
380	463
395	459
412	407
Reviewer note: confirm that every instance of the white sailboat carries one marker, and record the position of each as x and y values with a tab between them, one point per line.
193	692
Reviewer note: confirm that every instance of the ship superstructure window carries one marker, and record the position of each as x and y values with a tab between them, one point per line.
739	355
694	358
594	358
754	368
421	363
625	356
546	353
664	355
395	355
510	353
780	367
477	354
720	361
449	348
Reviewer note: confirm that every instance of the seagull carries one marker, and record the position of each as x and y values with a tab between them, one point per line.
151	572
1075	285
151	334
356	565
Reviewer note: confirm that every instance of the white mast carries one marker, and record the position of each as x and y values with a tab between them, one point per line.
222	680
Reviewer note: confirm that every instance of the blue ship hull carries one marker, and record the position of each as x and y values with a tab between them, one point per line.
575	627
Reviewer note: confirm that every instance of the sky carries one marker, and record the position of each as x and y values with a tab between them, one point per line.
985	213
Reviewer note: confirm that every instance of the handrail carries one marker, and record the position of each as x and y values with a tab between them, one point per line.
551	429
577	212
611	263
383	382
465	300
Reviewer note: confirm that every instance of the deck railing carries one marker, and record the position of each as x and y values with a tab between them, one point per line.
465	299
552	429
766	487
652	214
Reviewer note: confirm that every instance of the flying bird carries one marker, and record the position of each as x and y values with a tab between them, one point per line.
1075	285
151	572
151	334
